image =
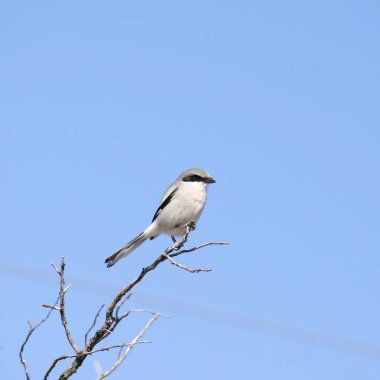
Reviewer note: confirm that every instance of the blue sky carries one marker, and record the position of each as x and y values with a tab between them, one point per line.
104	104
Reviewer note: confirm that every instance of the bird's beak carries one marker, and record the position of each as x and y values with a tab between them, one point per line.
209	180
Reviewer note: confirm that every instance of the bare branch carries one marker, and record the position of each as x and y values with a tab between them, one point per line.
112	319
199	247
150	312
55	268
122	357
62	311
168	255
127	297
31	331
112	315
93	324
50	306
128	312
63	357
177	264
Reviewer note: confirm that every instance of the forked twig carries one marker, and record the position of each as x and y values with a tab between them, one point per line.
122	357
179	265
112	315
93	323
63	357
62	311
31	331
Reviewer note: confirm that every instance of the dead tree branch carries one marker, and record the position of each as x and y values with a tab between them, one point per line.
63	357
112	315
179	265
93	323
32	329
123	356
62	311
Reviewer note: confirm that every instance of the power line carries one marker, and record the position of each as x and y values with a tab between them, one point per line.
247	322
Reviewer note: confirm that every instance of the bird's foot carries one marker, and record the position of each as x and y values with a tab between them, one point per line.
191	226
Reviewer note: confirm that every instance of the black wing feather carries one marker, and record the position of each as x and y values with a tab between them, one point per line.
164	204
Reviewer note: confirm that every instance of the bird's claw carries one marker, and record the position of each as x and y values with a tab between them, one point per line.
191	226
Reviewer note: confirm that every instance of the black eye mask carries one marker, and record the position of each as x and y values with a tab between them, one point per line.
193	178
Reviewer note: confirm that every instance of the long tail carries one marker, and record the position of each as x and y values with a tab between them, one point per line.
129	247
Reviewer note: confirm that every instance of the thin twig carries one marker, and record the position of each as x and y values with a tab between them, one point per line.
112	318
93	324
128	312
179	265
121	358
31	331
55	268
150	312
50	306
63	357
198	247
177	246
127	297
111	321
62	311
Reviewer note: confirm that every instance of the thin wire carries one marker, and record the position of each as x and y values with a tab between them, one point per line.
248	322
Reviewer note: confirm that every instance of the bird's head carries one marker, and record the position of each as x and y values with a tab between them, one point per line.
196	175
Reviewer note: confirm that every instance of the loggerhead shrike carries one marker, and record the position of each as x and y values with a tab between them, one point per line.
181	204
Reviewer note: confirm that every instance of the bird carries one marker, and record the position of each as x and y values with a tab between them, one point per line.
180	206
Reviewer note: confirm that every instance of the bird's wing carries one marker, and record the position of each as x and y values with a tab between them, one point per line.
168	196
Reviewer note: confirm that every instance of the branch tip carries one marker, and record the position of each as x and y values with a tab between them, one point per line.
112	317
